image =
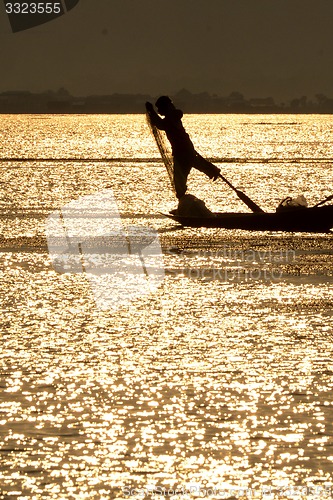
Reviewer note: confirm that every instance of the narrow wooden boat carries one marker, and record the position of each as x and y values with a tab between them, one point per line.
310	220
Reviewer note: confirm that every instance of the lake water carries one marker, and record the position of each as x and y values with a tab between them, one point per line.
219	383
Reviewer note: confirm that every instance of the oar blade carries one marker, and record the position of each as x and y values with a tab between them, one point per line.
250	203
242	196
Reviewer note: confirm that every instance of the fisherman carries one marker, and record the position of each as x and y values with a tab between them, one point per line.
184	155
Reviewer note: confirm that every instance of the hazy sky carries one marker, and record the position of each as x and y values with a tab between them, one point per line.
281	48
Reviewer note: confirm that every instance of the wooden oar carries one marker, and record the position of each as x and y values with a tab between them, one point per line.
242	196
324	201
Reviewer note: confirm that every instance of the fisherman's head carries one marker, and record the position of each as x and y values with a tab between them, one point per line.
164	104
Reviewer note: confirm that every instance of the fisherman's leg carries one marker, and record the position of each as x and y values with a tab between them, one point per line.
180	173
206	167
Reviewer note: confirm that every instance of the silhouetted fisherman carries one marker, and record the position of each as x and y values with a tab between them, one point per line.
184	155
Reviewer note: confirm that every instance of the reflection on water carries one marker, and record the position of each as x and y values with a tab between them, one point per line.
208	387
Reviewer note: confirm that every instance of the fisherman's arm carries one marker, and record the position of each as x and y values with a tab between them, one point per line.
155	118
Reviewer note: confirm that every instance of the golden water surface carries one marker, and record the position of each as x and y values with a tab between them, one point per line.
219	384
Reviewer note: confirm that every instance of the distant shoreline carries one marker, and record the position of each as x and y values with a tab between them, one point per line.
245	112
62	102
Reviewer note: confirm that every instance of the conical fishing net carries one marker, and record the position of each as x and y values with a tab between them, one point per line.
164	149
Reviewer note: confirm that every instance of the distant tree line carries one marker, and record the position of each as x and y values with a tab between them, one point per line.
62	101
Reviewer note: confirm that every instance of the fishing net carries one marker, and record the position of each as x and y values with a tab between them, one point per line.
164	149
